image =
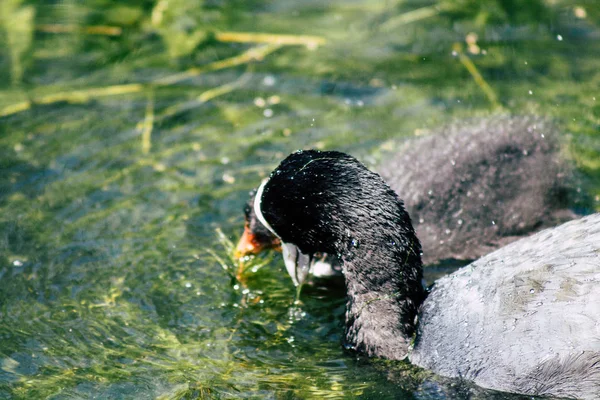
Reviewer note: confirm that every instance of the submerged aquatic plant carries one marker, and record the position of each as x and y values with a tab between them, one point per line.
239	269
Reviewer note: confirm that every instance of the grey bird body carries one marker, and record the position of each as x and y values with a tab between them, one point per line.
525	318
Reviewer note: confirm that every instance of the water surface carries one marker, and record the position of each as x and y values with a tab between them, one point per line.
116	170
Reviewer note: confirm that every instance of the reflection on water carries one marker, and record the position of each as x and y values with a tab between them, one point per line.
129	132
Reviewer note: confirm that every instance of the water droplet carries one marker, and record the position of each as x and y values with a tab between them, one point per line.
559	38
269	80
188	284
579	12
228	178
268	113
532	291
17	263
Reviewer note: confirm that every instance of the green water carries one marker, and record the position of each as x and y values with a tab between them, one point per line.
112	283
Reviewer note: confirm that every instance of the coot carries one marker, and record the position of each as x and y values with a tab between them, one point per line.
523	319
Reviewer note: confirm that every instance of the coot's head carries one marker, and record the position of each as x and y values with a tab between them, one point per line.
256	236
328	202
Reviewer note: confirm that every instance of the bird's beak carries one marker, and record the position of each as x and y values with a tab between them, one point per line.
250	244
296	263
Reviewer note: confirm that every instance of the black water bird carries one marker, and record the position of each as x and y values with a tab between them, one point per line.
523	319
470	188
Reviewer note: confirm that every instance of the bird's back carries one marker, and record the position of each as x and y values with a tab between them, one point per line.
478	185
525	318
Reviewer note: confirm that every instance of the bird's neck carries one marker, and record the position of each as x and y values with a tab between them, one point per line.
383	278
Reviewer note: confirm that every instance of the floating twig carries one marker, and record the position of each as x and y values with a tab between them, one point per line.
311	42
15	108
90	30
470	66
75	96
253	54
411	16
205	96
148	124
84	95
